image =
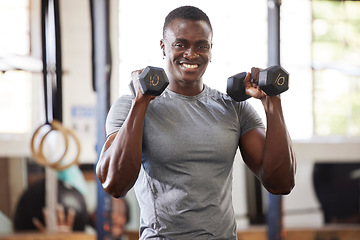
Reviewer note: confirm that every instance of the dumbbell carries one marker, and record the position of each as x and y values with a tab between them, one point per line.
153	81
273	81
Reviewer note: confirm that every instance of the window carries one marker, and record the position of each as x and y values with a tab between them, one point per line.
15	85
336	68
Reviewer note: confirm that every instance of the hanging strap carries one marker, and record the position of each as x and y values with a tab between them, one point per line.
51	56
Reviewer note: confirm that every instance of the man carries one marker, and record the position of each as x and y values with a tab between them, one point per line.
178	148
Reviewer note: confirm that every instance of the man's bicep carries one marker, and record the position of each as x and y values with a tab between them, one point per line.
251	146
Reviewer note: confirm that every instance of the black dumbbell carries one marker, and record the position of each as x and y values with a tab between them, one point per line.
273	81
153	81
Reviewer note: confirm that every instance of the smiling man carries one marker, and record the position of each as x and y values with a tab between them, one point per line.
177	149
187	49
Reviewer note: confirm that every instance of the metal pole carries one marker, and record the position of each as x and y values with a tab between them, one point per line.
274	212
274	32
101	62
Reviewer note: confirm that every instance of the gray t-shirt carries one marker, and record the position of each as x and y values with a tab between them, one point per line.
184	188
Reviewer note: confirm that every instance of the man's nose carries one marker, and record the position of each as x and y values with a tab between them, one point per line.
190	53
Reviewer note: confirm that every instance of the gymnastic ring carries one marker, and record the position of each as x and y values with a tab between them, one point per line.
58	165
32	147
32	144
55	125
38	156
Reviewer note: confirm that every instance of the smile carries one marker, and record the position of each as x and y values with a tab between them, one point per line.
191	66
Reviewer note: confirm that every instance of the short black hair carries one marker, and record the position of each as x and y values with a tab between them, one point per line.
188	13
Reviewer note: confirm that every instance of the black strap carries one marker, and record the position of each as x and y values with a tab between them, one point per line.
44	7
51	56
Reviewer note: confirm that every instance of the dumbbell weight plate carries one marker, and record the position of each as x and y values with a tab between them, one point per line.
274	80
236	88
153	81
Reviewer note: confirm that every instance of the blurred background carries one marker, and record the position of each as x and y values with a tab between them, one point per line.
320	48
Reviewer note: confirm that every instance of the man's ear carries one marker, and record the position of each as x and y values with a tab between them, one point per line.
162	46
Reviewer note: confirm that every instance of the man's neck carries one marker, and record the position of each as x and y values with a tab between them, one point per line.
186	89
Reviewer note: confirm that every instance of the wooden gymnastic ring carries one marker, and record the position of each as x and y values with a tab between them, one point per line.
32	143
38	155
58	165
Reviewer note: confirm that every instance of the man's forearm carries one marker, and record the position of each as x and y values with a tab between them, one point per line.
279	161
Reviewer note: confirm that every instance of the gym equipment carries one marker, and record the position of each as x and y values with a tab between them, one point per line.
236	88
273	81
52	84
39	155
337	191
153	81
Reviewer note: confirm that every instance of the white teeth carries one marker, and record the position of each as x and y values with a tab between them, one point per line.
190	65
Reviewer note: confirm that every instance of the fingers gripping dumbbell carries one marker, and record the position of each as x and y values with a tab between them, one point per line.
273	81
152	80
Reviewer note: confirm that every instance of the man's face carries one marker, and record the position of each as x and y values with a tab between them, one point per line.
187	49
